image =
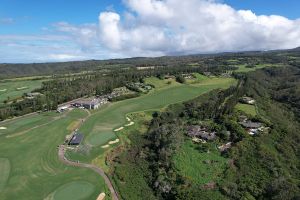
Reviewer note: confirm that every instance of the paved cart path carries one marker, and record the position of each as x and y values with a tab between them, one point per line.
98	170
61	154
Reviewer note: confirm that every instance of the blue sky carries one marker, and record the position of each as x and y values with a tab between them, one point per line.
72	28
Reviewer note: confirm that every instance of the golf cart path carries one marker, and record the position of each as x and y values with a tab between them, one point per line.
98	170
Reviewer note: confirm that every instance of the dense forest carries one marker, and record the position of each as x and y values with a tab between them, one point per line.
264	166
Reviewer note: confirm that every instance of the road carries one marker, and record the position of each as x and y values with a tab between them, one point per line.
62	158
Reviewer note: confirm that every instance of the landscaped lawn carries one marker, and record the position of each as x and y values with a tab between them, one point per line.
248	109
199	167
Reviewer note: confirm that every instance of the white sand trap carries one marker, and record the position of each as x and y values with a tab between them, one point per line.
118	129
130	124
101	196
105	146
114	141
3	128
4	90
128	119
22	88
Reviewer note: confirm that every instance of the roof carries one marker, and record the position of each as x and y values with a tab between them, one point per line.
88	102
250	124
76	139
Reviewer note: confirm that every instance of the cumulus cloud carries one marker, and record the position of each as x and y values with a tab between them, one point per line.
193	26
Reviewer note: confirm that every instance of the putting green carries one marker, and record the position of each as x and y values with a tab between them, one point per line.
4	172
76	190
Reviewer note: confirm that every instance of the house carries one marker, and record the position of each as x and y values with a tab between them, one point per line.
201	132
88	103
247	100
250	124
76	139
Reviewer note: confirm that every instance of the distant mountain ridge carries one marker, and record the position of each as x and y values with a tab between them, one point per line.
34	69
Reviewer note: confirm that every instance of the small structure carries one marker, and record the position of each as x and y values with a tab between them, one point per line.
251	125
201	132
247	100
62	109
76	139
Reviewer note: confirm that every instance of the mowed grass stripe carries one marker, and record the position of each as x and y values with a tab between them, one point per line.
101	124
4	172
36	170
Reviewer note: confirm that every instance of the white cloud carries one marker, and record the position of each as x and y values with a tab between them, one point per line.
193	26
155	28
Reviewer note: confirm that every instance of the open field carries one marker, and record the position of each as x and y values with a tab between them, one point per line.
29	163
12	89
207	169
248	109
243	68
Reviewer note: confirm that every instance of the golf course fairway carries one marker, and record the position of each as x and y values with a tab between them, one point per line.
99	128
29	164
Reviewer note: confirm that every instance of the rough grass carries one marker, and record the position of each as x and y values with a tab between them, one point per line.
9	89
199	167
36	171
248	109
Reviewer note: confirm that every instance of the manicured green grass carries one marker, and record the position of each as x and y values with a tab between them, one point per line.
10	89
199	167
22	124
36	171
113	116
248	109
76	190
160	83
5	171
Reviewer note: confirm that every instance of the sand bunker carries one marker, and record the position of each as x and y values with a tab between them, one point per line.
3	128
118	129
105	146
3	90
22	88
114	141
130	124
101	196
128	119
